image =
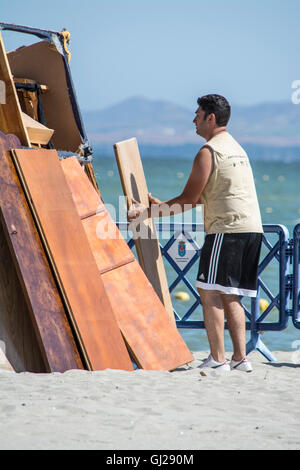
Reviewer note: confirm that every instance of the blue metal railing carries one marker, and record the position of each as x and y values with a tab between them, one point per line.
277	249
296	277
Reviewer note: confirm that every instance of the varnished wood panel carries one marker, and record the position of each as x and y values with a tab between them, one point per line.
33	320
72	260
147	246
150	334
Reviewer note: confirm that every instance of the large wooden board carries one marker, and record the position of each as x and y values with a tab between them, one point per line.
33	322
10	112
147	246
75	268
150	334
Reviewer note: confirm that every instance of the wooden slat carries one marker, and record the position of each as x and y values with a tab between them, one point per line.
10	113
75	268
150	334
33	322
147	246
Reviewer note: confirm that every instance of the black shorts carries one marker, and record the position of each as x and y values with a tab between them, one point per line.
229	263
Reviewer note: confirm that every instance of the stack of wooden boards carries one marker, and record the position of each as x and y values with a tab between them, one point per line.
82	296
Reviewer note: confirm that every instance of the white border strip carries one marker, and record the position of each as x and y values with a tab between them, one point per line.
227	290
212	257
215	269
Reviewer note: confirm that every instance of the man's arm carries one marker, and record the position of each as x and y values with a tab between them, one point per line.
201	171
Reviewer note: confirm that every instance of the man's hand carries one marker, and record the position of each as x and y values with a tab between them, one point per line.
135	210
153	200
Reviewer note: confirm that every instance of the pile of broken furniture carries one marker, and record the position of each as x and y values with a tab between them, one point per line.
70	296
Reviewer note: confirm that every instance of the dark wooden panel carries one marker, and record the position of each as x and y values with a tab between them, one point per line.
150	334
16	329
72	260
38	327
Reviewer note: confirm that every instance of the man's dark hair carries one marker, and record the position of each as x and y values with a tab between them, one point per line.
217	105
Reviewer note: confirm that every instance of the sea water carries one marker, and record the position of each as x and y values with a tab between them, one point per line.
278	190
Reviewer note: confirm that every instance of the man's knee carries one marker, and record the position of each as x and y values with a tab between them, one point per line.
229	299
210	297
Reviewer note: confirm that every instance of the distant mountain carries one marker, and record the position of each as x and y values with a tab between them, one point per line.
165	123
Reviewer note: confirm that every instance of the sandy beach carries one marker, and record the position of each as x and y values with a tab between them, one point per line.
148	410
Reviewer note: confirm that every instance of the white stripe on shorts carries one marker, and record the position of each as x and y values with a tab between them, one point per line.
226	290
214	258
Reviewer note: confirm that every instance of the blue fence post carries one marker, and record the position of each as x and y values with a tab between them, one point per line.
255	341
296	277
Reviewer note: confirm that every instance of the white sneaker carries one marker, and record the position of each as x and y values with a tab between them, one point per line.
210	363
244	365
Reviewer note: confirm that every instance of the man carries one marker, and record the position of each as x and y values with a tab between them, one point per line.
221	179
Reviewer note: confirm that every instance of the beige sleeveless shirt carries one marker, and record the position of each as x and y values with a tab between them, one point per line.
229	198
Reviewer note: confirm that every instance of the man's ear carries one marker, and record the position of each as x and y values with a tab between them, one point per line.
212	118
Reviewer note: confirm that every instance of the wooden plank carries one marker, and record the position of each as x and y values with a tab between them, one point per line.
71	258
33	322
147	246
37	132
150	334
10	112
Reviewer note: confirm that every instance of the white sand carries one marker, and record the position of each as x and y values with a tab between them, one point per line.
154	410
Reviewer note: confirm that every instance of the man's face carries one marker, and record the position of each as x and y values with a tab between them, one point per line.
200	123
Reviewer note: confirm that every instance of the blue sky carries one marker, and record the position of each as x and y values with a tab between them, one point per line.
173	50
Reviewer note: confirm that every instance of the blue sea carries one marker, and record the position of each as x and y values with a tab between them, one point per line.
278	188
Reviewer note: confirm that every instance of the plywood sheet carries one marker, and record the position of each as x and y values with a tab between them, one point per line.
33	322
74	265
147	245
150	334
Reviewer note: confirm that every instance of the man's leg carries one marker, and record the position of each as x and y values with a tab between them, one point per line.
235	316
214	322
